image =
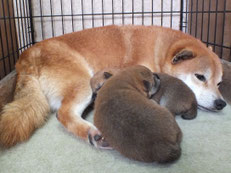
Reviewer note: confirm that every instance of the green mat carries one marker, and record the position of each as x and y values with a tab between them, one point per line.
206	148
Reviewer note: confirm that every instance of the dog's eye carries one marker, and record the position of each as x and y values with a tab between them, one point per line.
219	84
200	77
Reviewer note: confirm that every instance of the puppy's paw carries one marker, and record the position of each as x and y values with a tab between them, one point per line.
96	139
188	116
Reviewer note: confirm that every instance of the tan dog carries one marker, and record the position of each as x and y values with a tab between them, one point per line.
55	74
132	123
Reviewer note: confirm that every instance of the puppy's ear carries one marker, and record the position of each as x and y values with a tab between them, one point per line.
107	75
182	55
146	85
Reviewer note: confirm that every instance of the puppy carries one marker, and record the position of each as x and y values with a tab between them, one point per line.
173	94
225	85
99	78
133	124
176	96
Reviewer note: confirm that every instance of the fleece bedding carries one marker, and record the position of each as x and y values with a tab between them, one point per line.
206	148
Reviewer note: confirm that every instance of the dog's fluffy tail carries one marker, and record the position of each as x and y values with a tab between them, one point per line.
27	112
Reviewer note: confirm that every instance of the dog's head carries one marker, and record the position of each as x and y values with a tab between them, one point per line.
201	70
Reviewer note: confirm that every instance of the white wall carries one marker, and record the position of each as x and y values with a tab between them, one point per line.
45	23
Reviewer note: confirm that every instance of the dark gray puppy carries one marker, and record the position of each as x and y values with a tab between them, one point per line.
176	96
225	85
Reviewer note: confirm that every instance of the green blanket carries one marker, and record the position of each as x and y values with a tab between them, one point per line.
206	148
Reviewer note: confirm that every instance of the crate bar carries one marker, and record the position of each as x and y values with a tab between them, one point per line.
72	18
122	12
25	22
92	11
181	14
161	13
218	45
21	21
52	22
11	34
133	12
202	19
113	19
215	29
171	6
186	28
63	28
7	41
1	18
82	14
3	59
102	13
145	12
142	12
196	18
152	11
15	33
207	43
28	23
19	29
191	16
41	18
223	28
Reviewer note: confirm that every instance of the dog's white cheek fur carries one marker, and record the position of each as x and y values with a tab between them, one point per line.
205	97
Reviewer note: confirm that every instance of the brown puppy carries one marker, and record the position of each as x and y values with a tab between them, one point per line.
176	96
99	78
132	123
173	94
225	85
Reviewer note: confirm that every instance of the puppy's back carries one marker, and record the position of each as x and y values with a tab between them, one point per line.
134	125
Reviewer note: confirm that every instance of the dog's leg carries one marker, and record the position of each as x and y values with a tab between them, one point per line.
70	113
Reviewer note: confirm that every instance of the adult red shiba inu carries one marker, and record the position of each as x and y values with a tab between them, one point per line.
55	74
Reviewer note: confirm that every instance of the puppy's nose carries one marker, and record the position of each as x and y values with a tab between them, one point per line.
219	104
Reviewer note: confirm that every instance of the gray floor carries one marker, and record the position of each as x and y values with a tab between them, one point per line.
206	148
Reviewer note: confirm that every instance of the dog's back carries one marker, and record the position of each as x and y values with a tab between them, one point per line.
133	124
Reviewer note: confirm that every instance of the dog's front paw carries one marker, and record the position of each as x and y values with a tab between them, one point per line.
96	139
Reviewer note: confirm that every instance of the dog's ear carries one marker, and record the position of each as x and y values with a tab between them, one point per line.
182	55
146	85
107	75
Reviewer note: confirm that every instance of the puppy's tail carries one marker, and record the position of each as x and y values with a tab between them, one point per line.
27	112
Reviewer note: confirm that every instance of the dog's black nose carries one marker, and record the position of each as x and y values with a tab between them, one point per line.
219	104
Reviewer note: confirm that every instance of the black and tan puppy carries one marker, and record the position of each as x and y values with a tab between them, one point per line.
225	85
176	96
133	124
